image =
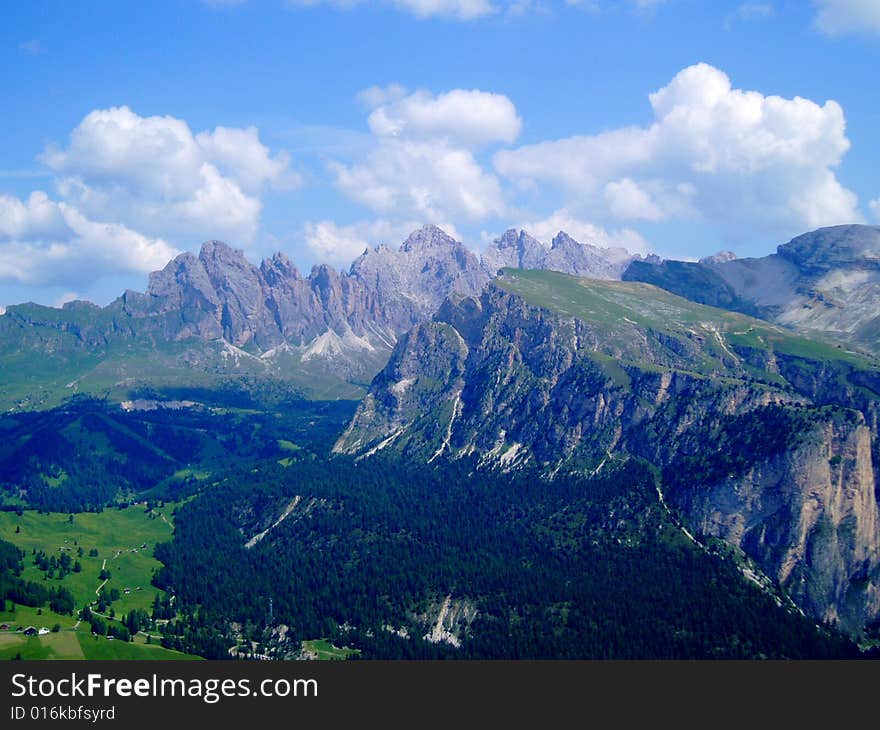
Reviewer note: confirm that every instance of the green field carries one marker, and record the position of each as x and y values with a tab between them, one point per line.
618	306
116	534
323	650
80	644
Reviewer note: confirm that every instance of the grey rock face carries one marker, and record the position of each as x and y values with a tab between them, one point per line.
721	257
519	250
339	317
514	383
824	283
515	250
411	283
809	517
835	247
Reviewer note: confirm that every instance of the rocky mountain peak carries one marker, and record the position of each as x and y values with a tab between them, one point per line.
324	276
220	251
519	250
563	240
722	257
278	269
834	247
515	249
428	236
508	239
184	273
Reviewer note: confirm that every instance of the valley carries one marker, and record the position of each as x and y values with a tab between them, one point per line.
120	542
438	456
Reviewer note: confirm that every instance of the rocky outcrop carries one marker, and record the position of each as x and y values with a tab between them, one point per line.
519	250
722	257
411	283
824	283
329	315
809	517
514	380
449	621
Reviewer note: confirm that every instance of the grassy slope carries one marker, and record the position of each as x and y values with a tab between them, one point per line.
80	644
114	533
323	650
619	305
31	379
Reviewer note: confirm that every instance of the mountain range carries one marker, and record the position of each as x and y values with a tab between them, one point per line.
328	332
761	437
748	388
825	283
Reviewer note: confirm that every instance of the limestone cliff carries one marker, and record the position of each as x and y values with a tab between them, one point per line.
764	439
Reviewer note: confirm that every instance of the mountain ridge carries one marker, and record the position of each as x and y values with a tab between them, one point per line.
825	283
568	374
330	330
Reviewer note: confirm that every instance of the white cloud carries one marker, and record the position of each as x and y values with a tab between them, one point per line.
467	10
584	231
471	118
712	153
460	9
375	96
75	250
427	181
596	7
239	154
840	17
33	47
627	199
37	217
127	188
422	165
155	175
874	207
340	245
748	13
454	9
753	11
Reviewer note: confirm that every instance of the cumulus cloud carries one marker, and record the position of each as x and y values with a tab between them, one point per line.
341	244
712	153
158	177
376	96
426	181
44	242
596	6
69	296
753	11
840	17
629	200
454	9
874	207
127	188
471	118
35	218
545	230
239	154
423	164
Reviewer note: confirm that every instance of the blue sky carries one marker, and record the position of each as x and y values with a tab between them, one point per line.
132	131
